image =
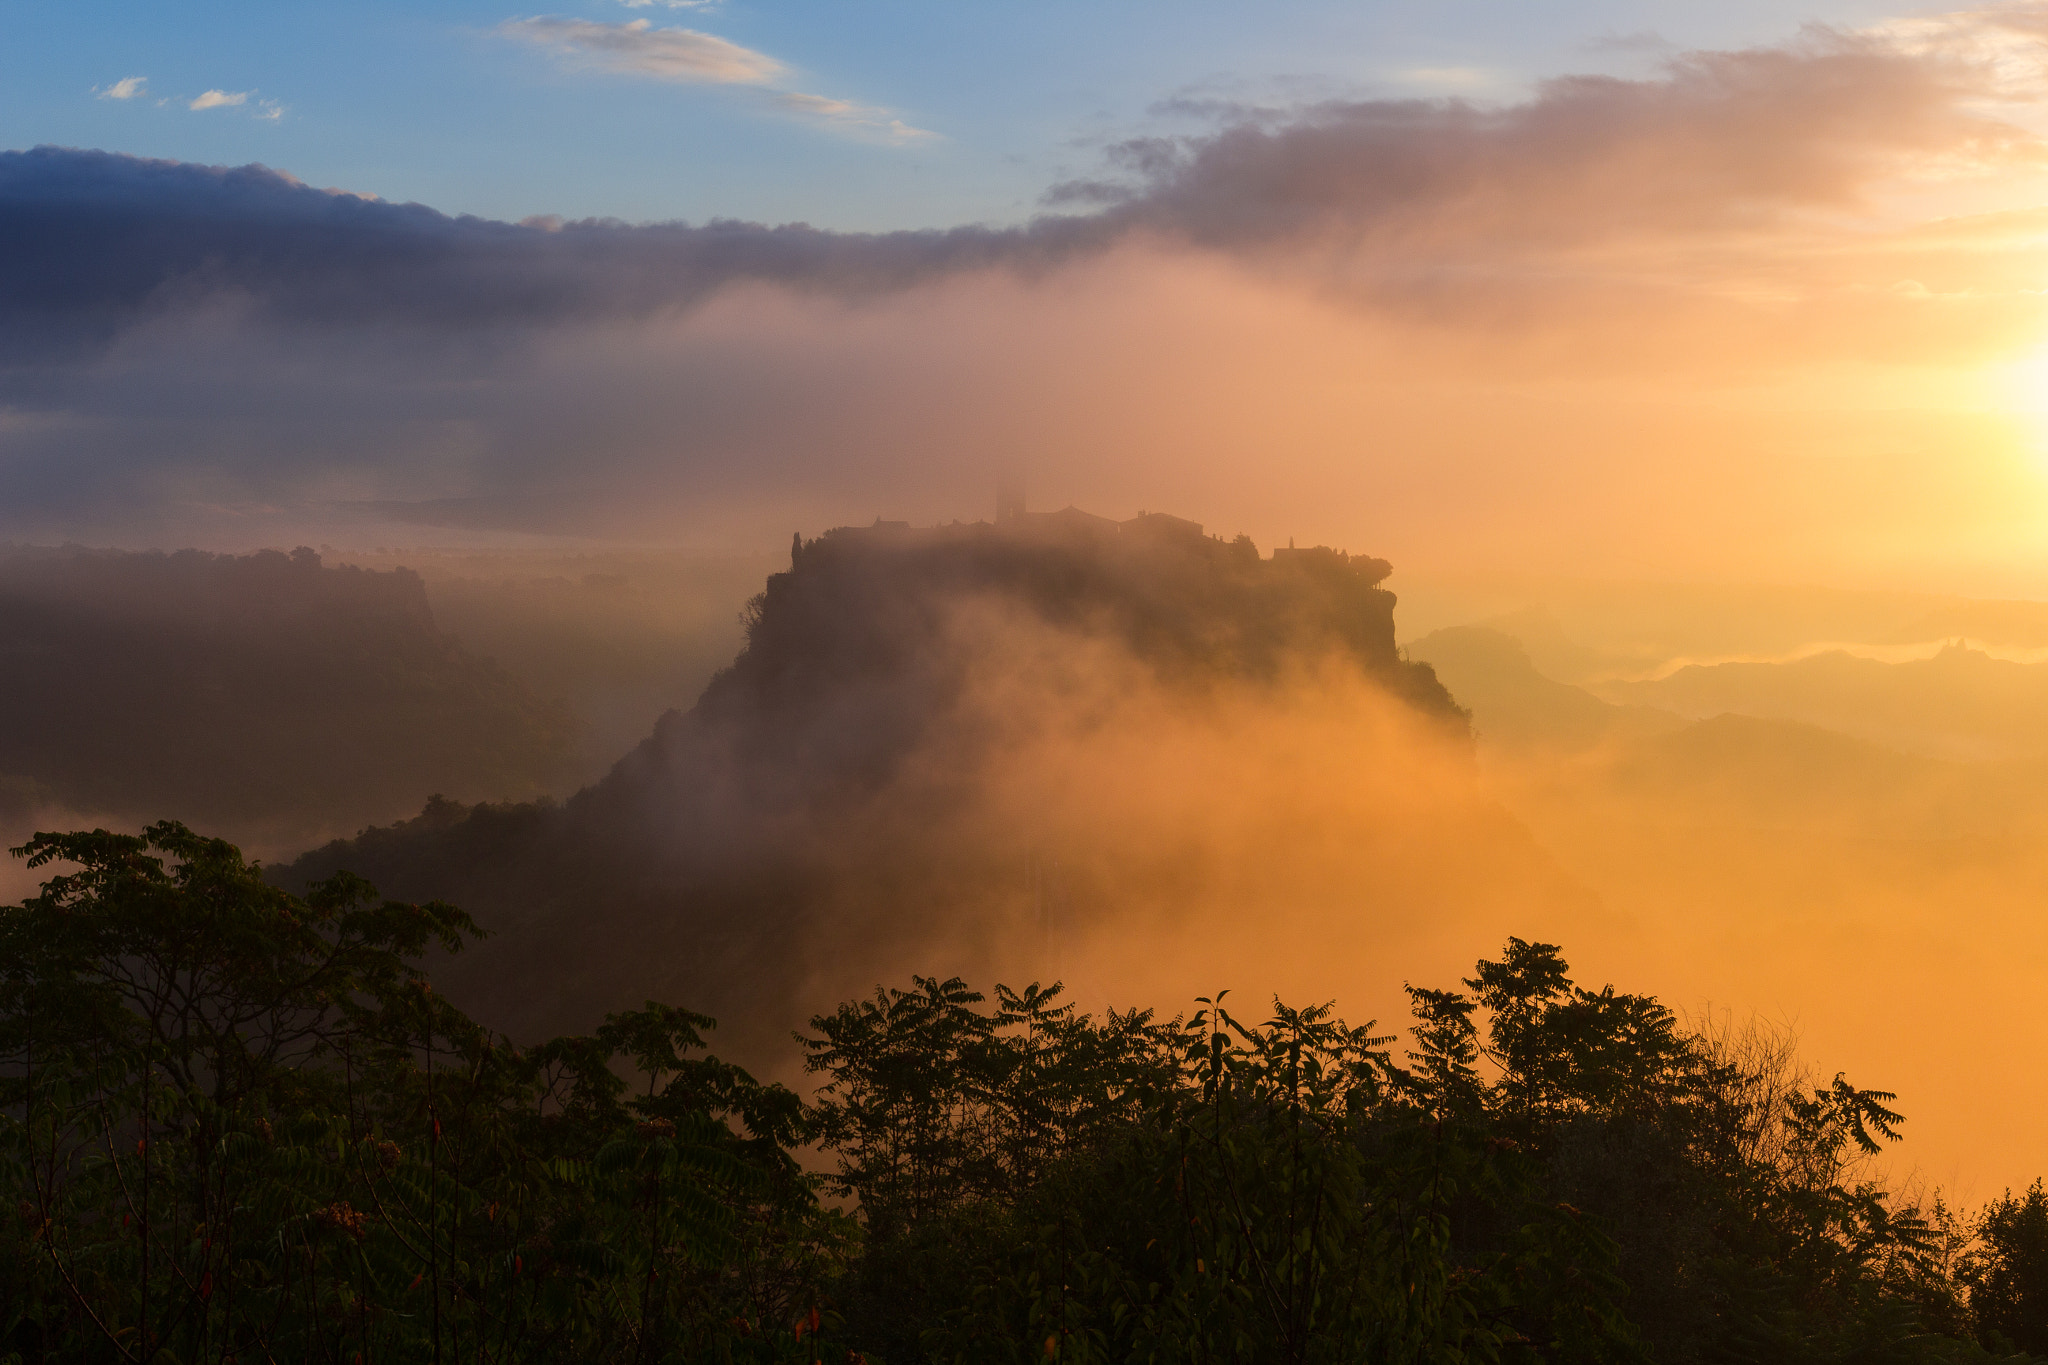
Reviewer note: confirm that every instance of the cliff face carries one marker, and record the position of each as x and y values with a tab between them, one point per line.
853	776
856	651
1190	605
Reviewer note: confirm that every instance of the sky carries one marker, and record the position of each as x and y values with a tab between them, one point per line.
957	113
1680	289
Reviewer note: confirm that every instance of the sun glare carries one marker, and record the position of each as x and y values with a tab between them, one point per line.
2026	396
2028	385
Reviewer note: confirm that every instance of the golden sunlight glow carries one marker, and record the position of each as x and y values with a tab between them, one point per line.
2025	385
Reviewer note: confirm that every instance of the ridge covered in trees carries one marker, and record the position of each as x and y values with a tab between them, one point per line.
242	1125
343	699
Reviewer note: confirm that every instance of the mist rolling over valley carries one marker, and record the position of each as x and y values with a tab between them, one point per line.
1056	745
1887	822
704	682
1123	760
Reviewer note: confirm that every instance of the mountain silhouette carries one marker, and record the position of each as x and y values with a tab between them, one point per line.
828	797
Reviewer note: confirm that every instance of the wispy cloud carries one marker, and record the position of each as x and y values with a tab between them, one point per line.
685	56
270	111
127	88
850	116
220	99
2005	44
1454	77
1641	41
638	48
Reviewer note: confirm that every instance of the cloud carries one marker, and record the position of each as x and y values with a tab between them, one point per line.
1449	77
1718	140
847	114
127	88
1390	200
220	99
1459	309
2005	45
638	48
685	56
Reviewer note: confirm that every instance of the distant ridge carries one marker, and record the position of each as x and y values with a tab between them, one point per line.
266	697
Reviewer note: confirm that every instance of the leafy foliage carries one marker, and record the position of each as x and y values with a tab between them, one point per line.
2008	1272
1556	1173
241	1125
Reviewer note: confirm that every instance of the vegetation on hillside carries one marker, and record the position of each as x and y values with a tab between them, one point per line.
241	1125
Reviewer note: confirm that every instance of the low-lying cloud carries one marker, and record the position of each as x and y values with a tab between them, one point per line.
956	781
1777	836
1720	143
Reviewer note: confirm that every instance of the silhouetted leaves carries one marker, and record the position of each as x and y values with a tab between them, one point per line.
240	1124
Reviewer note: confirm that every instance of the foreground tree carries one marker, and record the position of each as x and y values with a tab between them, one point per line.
1211	1188
2007	1273
242	1126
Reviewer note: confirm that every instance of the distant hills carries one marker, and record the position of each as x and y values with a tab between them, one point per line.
266	696
1926	748
1127	755
1957	703
1489	671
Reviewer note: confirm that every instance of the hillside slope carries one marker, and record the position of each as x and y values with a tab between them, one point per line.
1513	704
263	696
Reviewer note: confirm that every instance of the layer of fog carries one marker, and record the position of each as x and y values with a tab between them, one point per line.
1848	842
618	635
1308	835
1860	872
1063	810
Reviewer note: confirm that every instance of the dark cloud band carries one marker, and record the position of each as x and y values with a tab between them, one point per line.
181	342
89	240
